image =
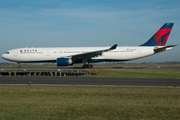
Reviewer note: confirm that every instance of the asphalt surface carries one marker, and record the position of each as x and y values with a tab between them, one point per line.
90	81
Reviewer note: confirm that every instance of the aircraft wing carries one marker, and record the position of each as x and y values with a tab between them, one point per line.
161	49
88	55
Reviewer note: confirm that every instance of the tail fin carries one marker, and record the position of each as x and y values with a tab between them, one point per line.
160	37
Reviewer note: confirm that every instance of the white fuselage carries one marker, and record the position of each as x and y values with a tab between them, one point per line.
51	54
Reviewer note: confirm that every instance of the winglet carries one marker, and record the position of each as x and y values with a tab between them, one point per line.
113	47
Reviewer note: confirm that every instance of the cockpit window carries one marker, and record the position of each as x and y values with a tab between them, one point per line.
7	52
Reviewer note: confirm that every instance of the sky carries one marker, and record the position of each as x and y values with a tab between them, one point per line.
88	23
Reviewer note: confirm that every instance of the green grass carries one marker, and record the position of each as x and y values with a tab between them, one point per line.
42	103
136	73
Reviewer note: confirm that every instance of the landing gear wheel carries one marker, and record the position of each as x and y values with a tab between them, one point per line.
90	66
85	66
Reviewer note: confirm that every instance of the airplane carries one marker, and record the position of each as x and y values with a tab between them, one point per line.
66	56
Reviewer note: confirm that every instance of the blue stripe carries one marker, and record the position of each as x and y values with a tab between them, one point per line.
92	61
105	60
162	41
150	42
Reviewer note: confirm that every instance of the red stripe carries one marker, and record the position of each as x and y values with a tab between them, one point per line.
165	40
157	38
163	31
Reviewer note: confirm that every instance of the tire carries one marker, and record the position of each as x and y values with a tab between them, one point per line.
90	66
85	66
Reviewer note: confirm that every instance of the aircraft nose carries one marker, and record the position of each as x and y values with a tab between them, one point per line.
2	56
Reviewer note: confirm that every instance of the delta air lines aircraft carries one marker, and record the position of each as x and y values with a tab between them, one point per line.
66	56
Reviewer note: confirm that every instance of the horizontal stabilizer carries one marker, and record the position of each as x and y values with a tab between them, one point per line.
161	49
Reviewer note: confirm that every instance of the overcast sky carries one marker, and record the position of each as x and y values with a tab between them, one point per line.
76	23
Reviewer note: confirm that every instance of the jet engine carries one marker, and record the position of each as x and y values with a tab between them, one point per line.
64	61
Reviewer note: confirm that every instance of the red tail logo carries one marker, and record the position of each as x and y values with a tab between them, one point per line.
161	36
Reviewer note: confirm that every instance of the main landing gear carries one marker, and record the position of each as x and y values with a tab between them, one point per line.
87	66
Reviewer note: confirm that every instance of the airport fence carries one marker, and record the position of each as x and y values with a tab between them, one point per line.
45	73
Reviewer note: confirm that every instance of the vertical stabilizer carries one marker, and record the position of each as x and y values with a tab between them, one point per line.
160	37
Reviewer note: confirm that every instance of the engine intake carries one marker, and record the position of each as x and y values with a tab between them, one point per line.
64	61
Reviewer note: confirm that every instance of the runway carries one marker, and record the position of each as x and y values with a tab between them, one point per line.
90	81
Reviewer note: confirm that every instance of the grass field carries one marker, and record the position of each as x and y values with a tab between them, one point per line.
42	103
136	73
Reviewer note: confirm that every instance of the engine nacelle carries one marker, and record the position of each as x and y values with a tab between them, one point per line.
64	61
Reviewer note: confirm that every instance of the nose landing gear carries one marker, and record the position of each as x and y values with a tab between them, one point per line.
18	65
